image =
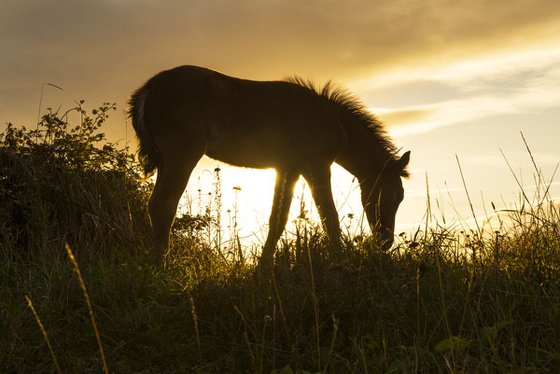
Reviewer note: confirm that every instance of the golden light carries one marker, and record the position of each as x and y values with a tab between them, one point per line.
246	197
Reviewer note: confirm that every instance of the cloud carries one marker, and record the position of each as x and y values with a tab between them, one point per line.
520	81
104	49
406	116
258	38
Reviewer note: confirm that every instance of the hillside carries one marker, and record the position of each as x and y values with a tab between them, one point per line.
439	301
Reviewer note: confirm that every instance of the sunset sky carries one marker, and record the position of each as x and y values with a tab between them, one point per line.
451	79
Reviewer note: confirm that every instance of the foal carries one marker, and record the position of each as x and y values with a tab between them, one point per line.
181	114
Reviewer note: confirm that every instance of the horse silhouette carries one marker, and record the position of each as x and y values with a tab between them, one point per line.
181	114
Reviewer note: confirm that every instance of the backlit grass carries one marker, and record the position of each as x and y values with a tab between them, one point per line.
440	301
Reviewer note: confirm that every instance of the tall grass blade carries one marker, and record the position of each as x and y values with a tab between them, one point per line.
196	330
88	302
468	197
41	99
44	332
515	177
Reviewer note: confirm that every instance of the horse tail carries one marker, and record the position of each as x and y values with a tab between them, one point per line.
149	154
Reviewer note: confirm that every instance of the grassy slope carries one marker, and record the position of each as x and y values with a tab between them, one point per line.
428	306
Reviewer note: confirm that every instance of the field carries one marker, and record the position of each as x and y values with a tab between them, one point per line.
78	293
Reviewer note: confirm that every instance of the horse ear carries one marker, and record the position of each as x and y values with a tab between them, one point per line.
403	161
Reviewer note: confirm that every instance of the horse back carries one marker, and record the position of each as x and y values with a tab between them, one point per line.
244	122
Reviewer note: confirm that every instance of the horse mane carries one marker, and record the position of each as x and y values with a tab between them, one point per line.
347	101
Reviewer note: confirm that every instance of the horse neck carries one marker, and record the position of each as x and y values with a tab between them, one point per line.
364	154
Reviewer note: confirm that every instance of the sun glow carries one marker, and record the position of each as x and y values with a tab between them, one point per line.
246	200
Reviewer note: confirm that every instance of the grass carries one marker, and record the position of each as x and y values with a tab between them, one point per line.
440	301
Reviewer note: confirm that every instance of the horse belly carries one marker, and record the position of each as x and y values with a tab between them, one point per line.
281	146
242	154
251	149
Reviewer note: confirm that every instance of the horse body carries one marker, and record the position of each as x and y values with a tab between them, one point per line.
241	122
183	113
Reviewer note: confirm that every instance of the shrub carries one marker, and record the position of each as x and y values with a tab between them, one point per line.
61	183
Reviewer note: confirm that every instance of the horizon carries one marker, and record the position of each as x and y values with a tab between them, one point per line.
450	81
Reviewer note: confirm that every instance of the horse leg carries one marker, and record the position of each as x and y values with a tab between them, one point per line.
283	193
319	180
170	185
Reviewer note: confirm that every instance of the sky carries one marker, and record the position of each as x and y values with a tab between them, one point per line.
456	82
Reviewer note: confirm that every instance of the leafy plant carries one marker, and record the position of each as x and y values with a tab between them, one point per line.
58	177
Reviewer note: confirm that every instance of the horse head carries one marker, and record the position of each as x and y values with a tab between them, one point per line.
381	196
